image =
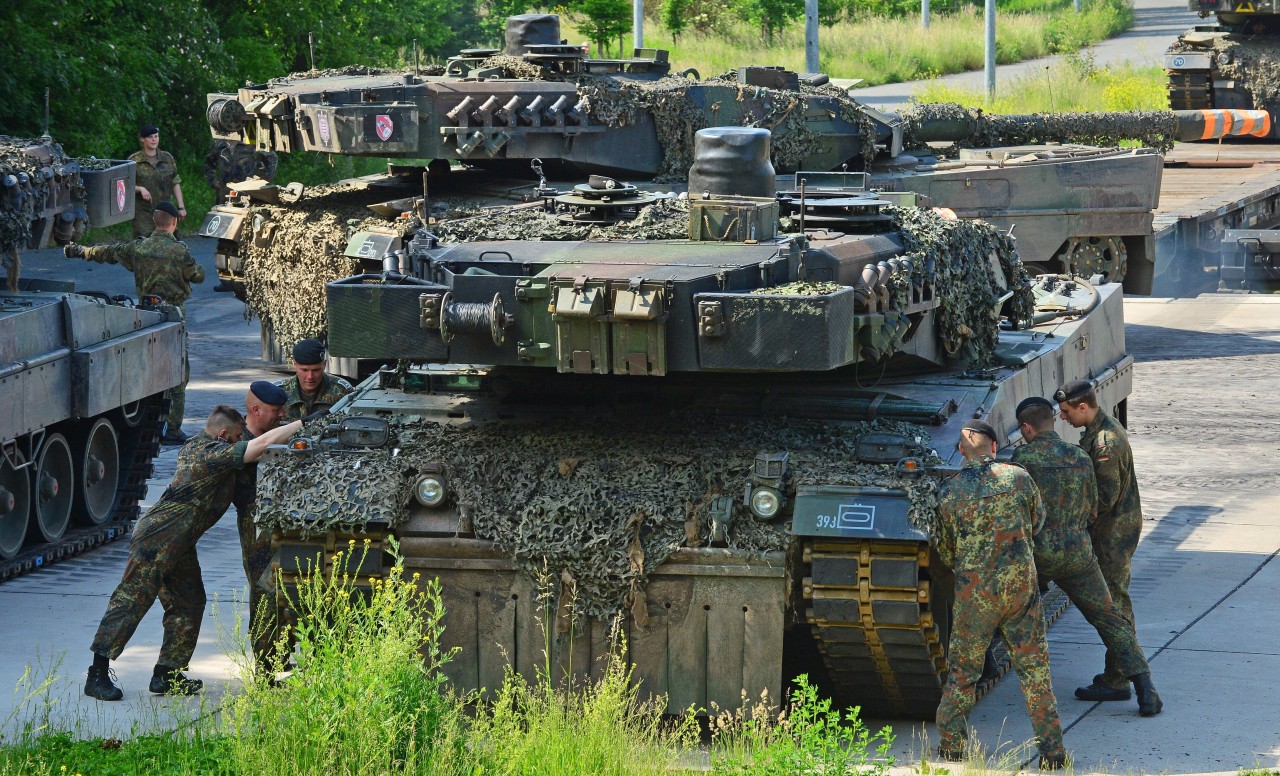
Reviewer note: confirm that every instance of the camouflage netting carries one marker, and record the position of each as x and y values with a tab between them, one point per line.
21	204
568	498
677	118
332	72
1255	64
516	67
666	219
1156	129
285	281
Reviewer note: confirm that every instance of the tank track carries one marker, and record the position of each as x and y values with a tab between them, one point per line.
138	449
1190	91
875	619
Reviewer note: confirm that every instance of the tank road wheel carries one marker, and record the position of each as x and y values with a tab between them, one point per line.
54	490
15	503
97	473
1104	256
131	413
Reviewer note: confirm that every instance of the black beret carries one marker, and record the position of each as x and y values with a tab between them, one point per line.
980	426
1034	401
147	130
167	207
308	351
1073	391
269	393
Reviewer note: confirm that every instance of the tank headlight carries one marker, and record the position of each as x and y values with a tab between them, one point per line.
765	503
1224	57
430	490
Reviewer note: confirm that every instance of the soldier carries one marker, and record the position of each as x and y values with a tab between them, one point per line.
1115	533
987	516
264	405
161	266
230	162
310	390
162	555
158	181
1063	551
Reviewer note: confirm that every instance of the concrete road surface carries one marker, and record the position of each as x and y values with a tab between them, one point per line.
1156	24
1206	436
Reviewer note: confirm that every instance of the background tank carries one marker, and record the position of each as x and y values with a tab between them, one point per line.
489	114
82	382
720	417
1230	64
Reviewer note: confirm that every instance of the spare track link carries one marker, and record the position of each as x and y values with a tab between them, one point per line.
138	448
1190	91
869	604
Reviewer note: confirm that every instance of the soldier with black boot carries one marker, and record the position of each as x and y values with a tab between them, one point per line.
1063	549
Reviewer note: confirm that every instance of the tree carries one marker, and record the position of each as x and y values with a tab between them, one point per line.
772	15
602	20
675	16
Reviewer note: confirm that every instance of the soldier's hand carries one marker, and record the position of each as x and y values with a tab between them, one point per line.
73	251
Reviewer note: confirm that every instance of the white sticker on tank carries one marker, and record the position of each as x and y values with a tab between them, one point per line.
857	517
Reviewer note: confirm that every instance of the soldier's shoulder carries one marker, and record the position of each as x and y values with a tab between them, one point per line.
137	156
342	383
165	156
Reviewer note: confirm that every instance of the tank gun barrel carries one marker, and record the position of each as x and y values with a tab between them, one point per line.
1159	129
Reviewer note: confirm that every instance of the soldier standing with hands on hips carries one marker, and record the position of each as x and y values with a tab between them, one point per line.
1064	552
1119	525
162	267
987	516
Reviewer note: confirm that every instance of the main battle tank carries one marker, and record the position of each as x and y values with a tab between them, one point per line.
1231	64
717	419
488	114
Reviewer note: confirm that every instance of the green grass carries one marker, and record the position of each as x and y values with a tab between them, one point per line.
1074	86
885	50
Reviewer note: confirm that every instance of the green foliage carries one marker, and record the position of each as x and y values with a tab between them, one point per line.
809	736
602	21
675	16
771	16
1075	85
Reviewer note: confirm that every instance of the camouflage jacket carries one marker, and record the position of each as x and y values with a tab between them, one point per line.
230	162
202	486
1107	444
156	176
161	265
245	494
299	406
987	516
1064	475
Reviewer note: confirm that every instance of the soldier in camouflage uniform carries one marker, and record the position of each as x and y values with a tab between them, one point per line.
158	181
229	162
264	405
1119	525
161	266
987	516
310	390
1063	549
162	555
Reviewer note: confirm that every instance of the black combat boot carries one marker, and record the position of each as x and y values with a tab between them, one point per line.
1052	762
1149	703
171	681
100	686
1100	691
950	755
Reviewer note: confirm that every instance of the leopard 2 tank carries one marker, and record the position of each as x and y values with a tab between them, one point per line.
719	420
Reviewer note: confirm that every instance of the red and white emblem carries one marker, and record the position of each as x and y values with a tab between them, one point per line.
384	126
322	121
121	195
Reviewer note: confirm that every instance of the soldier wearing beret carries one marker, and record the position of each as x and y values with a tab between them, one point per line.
1063	549
162	555
264	410
1116	531
158	180
161	266
987	516
310	390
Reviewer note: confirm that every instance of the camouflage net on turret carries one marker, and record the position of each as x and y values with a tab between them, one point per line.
22	203
1254	64
334	72
666	219
285	281
567	497
1155	128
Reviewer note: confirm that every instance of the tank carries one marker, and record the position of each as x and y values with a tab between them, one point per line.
82	382
1075	202
1229	64
715	420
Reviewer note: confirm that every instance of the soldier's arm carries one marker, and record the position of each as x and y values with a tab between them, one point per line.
258	445
192	271
121	253
269	164
1106	467
211	168
1091	489
1037	507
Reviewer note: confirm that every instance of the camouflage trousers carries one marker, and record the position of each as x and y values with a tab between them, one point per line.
1087	589
162	564
1115	538
178	393
11	261
265	618
980	611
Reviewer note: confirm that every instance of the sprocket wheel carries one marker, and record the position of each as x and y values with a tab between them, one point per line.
1104	256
